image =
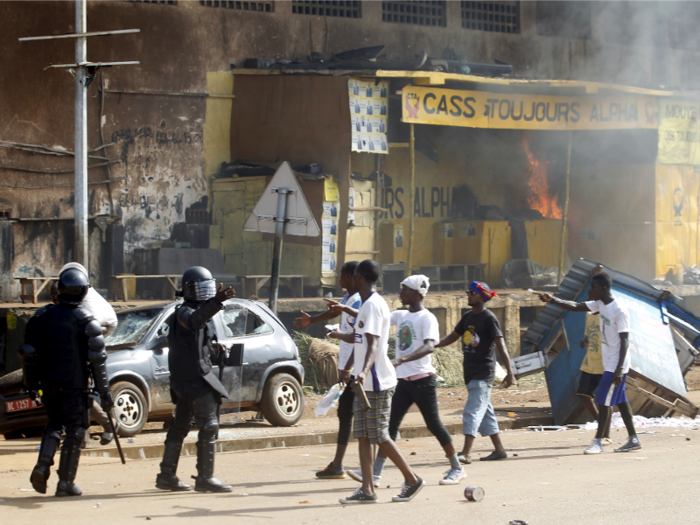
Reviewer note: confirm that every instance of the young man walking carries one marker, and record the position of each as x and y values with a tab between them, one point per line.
376	376
614	341
481	334
345	362
417	331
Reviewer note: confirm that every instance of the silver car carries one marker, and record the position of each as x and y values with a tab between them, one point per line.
269	381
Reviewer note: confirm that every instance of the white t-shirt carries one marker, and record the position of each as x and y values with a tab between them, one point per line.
347	324
374	318
101	310
412	329
614	320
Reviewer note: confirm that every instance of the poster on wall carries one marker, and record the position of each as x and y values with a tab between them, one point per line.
351	205
398	235
329	224
369	110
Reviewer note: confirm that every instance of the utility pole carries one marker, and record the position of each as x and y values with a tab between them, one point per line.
81	68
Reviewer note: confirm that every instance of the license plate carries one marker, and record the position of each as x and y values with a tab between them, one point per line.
20	404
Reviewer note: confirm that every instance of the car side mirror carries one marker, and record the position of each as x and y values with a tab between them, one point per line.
160	343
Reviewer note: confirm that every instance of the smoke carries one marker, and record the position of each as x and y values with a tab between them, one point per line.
644	44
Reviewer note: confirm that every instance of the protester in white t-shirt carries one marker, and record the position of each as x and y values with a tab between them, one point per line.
352	299
376	375
614	344
417	332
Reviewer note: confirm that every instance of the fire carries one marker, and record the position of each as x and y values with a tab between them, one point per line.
541	198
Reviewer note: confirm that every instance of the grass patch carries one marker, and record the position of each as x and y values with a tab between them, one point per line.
447	362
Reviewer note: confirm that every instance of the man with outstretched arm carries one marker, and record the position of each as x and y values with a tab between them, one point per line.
417	331
614	344
352	299
376	375
480	332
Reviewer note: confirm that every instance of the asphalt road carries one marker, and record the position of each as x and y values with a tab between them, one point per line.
550	481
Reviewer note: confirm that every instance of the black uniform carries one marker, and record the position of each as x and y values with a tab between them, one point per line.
196	392
63	348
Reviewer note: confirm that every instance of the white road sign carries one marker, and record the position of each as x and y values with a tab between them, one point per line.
300	220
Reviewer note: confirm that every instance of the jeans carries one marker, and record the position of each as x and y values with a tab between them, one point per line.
345	415
478	415
422	393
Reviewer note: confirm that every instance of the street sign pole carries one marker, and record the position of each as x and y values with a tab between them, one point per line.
81	149
280	219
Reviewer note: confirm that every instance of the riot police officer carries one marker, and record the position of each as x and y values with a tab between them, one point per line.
195	389
63	346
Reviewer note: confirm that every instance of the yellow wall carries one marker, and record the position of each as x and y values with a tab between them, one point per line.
486	242
217	123
247	253
677	192
544	241
361	235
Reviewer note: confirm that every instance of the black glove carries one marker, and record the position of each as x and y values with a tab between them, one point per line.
106	402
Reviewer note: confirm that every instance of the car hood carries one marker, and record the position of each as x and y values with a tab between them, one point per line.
11	382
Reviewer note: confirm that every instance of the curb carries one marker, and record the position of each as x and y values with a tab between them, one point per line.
294	440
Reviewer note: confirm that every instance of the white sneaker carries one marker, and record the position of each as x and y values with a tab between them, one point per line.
596	447
453	476
357	476
633	443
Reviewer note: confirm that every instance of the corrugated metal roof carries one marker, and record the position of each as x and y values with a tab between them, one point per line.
436	78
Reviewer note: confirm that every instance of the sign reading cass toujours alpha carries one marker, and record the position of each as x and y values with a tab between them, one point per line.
479	109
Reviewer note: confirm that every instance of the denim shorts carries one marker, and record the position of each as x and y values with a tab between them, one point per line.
478	415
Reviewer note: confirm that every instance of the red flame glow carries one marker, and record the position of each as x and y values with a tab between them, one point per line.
541	198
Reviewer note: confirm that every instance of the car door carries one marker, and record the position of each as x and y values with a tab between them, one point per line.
158	348
240	325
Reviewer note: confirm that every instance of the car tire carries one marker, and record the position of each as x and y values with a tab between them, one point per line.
282	402
130	408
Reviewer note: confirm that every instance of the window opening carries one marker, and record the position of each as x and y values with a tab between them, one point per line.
418	12
262	7
341	9
499	17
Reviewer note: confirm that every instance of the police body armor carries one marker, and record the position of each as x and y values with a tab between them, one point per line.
190	328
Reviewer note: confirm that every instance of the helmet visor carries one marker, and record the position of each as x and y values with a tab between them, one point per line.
201	290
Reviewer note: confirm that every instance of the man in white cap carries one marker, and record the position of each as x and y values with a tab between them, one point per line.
104	314
416	334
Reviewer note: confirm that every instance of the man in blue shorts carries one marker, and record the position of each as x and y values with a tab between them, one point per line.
614	340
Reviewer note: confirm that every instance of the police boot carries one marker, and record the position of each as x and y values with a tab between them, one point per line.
205	480
68	465
166	479
42	470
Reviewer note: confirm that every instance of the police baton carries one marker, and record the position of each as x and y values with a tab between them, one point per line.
116	436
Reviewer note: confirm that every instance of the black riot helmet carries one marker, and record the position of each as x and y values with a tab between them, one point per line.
72	286
198	284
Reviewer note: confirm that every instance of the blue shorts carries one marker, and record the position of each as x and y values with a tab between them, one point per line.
608	394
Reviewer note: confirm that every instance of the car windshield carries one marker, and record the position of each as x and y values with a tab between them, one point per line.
132	327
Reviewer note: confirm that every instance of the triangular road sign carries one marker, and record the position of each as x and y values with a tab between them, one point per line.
300	220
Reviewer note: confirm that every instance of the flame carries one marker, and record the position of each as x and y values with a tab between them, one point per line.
540	198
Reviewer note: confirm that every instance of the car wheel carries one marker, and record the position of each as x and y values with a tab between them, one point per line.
130	408
283	400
